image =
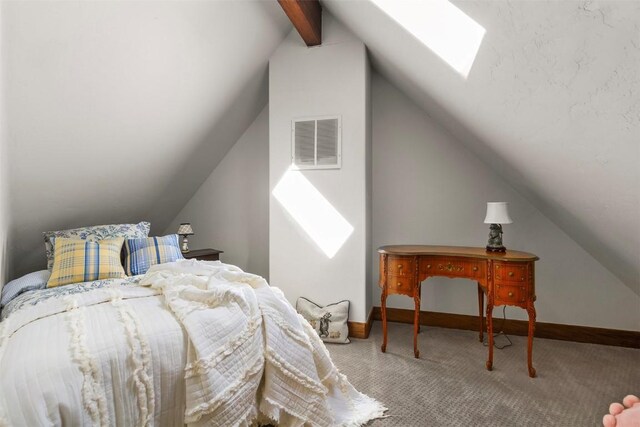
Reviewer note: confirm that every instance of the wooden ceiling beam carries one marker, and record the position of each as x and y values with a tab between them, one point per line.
306	16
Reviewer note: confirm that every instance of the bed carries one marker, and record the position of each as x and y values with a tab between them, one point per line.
189	342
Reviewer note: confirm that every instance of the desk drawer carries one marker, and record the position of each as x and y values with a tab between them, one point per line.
453	267
401	285
510	294
510	272
401	266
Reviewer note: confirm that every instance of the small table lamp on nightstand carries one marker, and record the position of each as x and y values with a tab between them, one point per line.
497	214
185	230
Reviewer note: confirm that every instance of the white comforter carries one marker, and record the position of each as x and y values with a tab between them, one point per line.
200	343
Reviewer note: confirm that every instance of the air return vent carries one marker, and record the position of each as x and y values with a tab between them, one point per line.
316	143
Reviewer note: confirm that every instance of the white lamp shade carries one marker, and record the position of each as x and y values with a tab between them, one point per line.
185	229
497	213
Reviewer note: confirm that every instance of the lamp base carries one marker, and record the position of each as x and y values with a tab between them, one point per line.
185	245
495	239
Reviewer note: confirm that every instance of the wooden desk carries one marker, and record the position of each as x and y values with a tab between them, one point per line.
506	278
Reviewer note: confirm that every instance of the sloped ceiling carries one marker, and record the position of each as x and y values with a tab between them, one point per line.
552	102
118	111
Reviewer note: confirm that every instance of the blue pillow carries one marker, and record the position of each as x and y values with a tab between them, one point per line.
143	253
29	282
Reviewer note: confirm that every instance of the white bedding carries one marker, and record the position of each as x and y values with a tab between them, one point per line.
203	343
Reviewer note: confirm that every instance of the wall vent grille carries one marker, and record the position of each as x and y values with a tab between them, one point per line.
316	143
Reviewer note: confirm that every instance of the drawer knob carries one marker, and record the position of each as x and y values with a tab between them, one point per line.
475	268
428	266
399	284
510	294
511	274
399	265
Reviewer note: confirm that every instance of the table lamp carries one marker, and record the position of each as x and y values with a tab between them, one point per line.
497	214
185	230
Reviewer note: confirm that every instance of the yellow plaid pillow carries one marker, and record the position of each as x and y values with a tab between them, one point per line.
83	261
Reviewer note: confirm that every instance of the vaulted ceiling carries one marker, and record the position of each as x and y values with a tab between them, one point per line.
118	111
552	102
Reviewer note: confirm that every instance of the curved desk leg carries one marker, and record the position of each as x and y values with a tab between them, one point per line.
490	332
481	310
416	322
531	311
383	309
420	295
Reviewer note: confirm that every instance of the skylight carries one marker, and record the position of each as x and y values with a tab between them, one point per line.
441	26
313	212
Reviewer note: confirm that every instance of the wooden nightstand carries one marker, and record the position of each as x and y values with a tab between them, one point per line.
203	254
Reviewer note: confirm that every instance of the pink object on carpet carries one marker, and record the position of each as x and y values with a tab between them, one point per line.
623	416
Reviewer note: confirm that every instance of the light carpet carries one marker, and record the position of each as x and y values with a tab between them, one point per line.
449	385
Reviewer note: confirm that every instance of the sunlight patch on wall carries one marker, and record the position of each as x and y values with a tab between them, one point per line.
441	26
313	212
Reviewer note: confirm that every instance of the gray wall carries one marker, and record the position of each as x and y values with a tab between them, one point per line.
230	211
429	189
371	260
119	110
310	82
4	169
4	214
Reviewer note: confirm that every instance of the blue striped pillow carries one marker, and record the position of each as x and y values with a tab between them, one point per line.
143	253
29	282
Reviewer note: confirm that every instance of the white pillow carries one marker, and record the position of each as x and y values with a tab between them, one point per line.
330	321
